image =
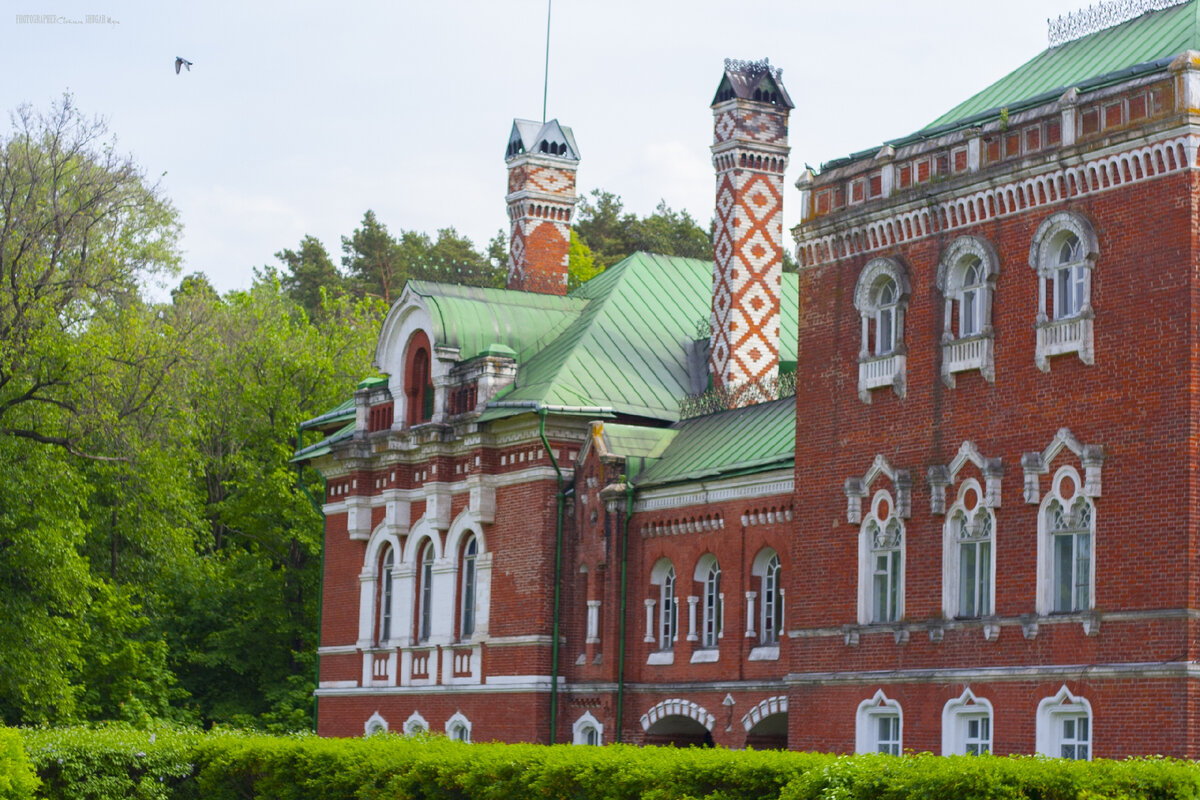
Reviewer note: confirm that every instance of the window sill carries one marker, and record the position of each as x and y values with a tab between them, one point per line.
661	657
967	354
765	653
1061	336
708	655
875	372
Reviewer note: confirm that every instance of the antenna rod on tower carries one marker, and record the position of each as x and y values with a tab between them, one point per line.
546	79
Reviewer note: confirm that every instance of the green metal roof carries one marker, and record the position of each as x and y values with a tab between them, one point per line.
325	445
331	419
475	319
1152	37
628	349
729	443
637	440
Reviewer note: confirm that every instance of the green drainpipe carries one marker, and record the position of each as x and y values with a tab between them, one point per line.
558	546
316	715
624	600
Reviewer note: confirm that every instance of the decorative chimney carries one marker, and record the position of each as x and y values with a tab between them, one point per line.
750	154
542	159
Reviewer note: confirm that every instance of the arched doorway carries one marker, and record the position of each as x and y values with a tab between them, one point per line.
678	731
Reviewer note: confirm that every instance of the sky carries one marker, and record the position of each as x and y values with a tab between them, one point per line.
297	117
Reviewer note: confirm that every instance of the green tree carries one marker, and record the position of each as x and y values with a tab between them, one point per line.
374	262
310	274
611	233
581	264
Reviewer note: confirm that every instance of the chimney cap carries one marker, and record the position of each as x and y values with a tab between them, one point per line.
753	80
545	139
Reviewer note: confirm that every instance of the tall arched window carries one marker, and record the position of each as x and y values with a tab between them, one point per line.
425	592
881	298
708	572
1066	546
418	380
881	565
668	615
767	569
969	545
966	276
467	618
385	595
1064	253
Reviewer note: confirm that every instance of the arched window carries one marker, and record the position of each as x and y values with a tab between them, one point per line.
881	563
967	726
1064	253
385	595
879	726
966	276
418	380
1067	527
969	545
767	569
425	592
708	572
467	619
1064	726
375	724
458	727
668	613
881	298
587	730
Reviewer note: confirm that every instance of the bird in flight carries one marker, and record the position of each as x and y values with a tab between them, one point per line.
182	62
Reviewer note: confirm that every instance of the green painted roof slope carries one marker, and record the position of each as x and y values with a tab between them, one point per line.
1151	37
637	440
628	348
473	319
729	443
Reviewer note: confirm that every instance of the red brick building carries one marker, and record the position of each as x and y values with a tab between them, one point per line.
542	527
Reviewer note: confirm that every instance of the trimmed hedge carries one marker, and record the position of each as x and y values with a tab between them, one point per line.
120	763
17	779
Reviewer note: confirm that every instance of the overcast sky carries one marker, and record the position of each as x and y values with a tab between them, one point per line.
298	116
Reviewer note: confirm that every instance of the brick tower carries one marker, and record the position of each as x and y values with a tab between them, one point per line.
750	152
542	159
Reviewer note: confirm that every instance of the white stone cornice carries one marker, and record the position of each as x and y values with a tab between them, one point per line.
764	484
867	231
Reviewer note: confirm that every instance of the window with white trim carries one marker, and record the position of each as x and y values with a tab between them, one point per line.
708	571
415	725
425	592
771	596
1063	253
967	726
881	562
966	277
969	546
1066	546
662	626
1064	726
879	726
588	730
881	298
375	724
467	617
458	727
387	563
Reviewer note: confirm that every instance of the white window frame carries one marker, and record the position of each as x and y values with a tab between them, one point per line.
1072	331
957	715
964	350
867	559
375	724
415	725
662	627
1048	586
881	363
866	726
952	544
458	721
768	568
427	554
712	602
470	588
386	584
587	722
1052	712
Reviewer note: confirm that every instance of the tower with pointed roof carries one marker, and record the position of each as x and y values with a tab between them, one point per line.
542	159
750	153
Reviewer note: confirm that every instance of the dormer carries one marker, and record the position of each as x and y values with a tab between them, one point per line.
752	80
538	138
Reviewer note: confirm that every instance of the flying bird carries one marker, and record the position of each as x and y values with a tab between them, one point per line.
182	62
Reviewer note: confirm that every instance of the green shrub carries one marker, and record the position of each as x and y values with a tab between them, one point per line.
112	762
17	778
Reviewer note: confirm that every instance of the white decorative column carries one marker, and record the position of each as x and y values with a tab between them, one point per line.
593	622
692	636
750	633
403	592
366	609
650	603
441	621
483	595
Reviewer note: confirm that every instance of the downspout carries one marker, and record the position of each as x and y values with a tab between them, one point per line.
558	544
316	714
624	599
